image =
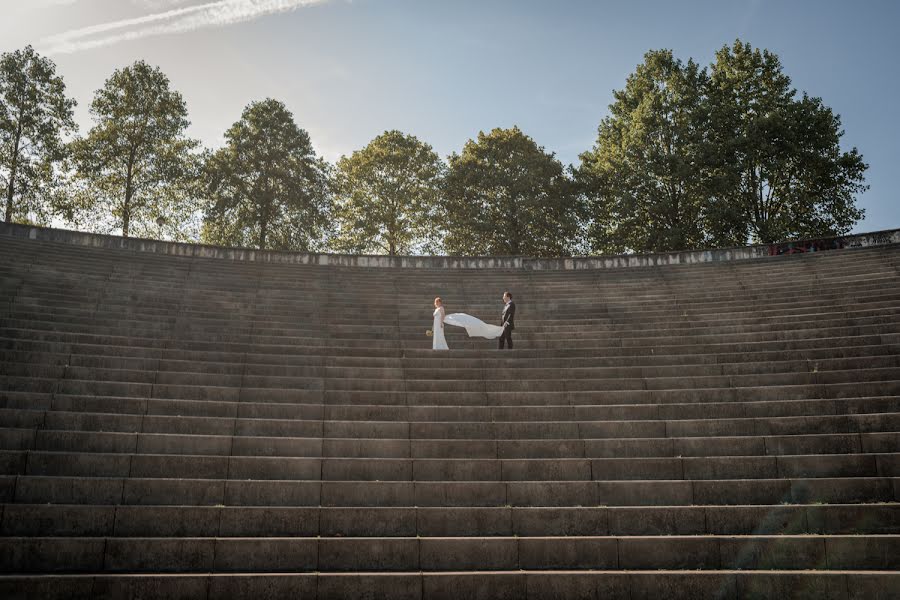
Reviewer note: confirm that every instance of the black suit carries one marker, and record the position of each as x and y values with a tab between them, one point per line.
508	322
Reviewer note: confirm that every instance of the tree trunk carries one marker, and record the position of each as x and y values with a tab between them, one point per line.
265	211
126	209
264	225
13	169
129	192
515	242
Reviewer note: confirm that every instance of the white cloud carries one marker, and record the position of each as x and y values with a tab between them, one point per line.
159	4
218	13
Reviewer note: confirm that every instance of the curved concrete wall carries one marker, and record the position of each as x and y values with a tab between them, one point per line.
862	240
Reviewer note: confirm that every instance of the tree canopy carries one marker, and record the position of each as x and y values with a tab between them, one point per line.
696	158
645	175
778	169
506	195
388	196
135	168
267	189
35	114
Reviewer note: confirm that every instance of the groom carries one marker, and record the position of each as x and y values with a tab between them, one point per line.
507	320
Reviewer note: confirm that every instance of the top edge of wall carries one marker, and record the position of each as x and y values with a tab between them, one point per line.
95	240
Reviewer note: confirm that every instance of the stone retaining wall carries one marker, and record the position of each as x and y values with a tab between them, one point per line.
861	240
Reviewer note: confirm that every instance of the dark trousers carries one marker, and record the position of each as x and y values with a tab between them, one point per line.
506	336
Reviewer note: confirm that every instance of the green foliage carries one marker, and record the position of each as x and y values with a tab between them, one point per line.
506	196
691	159
34	115
778	169
267	188
644	176
387	197
135	168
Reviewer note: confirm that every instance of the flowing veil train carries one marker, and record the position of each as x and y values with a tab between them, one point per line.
473	326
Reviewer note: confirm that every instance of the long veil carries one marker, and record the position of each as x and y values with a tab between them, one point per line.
473	326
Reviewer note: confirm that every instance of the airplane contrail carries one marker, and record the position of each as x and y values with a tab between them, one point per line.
177	20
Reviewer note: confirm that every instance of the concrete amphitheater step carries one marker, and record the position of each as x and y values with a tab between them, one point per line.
172	359
788	371
60	520
450	430
609	311
185	443
622	448
534	585
435	469
36	489
22	409
123	405
355	554
815	349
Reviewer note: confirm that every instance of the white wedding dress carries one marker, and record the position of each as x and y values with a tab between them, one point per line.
438	341
474	327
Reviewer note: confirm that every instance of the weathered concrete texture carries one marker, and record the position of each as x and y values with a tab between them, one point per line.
274	425
863	240
545	585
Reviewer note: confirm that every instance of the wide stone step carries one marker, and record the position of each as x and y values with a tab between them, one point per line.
35	489
262	353
131	357
123	405
147	370
600	323
42	364
603	317
445	470
62	520
419	430
139	383
626	316
16	384
407	286
540	584
409	325
314	447
415	338
229	554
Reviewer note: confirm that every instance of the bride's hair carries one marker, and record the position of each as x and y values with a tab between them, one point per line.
438	299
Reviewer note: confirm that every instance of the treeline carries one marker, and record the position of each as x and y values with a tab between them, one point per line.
688	157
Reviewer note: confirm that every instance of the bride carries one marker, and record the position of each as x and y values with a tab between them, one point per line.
473	326
438	342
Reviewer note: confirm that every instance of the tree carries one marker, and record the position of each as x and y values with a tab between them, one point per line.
645	175
266	186
388	195
506	195
34	115
778	169
136	168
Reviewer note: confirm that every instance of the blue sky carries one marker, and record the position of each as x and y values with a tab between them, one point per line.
445	70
